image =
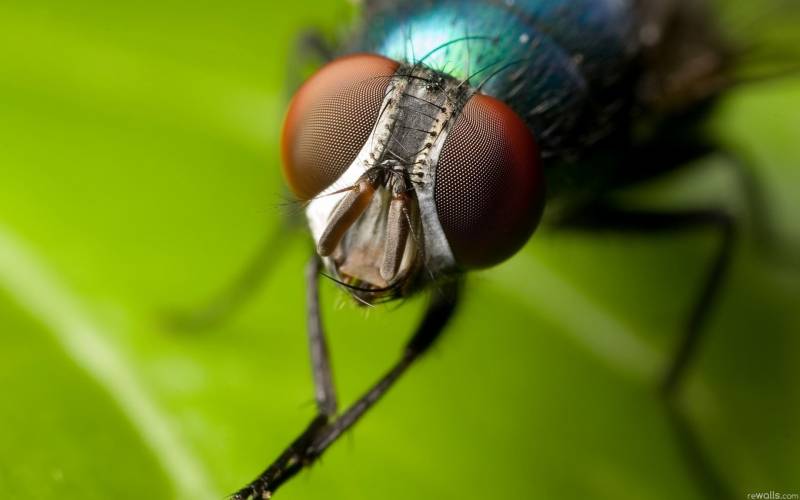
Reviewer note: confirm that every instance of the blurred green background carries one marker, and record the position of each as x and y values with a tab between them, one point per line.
139	172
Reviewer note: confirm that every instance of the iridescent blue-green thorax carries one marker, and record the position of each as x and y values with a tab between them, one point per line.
553	61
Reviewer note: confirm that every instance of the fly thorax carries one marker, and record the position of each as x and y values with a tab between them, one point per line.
377	227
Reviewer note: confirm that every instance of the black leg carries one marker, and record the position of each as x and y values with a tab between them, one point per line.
761	224
231	298
704	302
312	43
437	315
311	50
606	217
325	429
324	392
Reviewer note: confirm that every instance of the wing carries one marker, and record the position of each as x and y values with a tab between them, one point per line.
693	50
684	54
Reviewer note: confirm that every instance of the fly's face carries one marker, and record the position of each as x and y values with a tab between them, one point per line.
409	175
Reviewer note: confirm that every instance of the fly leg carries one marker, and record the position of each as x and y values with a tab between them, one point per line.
293	458
324	391
327	427
228	300
761	224
602	216
311	49
313	43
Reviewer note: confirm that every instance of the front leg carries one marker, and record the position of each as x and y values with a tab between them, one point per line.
324	391
326	428
311	50
228	300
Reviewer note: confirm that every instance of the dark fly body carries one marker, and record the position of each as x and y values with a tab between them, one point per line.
446	131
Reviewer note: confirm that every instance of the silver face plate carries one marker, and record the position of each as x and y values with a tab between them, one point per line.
417	112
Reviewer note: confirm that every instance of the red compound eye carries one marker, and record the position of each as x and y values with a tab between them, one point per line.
489	187
330	118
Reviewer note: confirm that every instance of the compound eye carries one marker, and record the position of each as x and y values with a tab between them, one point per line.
330	118
489	190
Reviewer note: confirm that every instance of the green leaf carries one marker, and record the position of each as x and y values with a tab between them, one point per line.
139	172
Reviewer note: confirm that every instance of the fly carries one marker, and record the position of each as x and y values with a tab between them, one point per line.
432	145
